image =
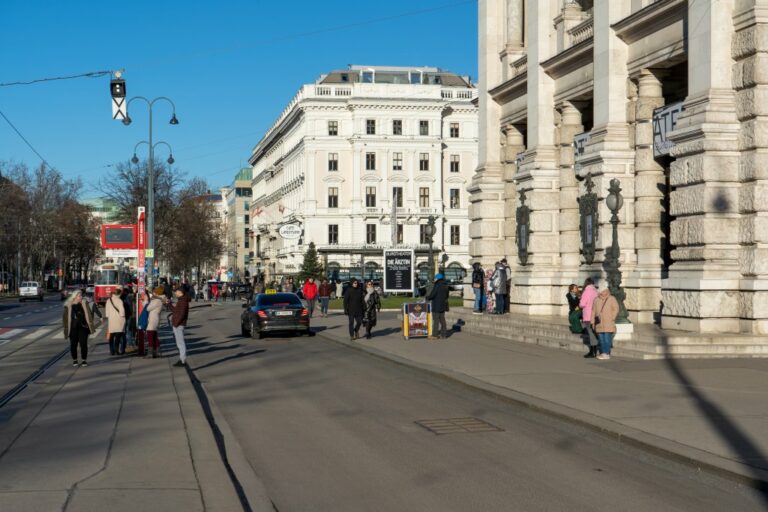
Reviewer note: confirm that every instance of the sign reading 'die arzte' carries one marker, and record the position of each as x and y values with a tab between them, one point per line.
398	270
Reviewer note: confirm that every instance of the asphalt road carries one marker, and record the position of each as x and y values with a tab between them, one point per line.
30	335
331	428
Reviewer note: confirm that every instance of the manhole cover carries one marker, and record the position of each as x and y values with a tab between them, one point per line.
458	426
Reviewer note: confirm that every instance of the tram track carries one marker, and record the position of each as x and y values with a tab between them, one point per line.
21	386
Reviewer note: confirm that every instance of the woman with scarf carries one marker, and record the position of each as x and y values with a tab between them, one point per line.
372	307
78	324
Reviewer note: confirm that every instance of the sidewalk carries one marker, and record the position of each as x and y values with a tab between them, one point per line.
709	413
123	434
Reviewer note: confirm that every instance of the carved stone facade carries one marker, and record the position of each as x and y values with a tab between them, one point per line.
670	97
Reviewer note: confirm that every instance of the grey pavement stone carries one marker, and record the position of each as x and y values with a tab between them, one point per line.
715	411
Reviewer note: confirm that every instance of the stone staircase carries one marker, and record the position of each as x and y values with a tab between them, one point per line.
646	342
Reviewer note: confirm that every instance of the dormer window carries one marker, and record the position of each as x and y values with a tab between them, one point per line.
415	77
367	77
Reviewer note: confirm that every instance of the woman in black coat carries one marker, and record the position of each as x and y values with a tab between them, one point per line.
354	308
372	307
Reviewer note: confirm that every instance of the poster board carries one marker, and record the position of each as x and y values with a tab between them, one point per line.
398	270
417	320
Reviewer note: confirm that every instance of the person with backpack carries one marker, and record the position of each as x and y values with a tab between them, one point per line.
499	284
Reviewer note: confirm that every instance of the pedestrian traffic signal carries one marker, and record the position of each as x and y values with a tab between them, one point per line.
117	87
119	103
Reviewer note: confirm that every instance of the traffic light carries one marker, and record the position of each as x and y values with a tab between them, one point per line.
119	103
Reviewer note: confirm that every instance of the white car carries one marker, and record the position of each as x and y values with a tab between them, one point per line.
30	290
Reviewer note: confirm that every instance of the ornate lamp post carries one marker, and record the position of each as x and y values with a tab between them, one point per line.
430	231
151	175
614	202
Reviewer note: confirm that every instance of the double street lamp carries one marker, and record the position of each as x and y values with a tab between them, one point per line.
151	174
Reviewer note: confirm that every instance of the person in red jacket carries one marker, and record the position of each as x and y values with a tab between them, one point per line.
310	294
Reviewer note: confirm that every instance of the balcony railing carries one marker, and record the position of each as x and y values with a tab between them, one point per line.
582	31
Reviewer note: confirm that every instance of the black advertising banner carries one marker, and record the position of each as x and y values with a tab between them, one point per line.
398	270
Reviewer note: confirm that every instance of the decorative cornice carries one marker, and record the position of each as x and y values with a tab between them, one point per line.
510	89
650	19
573	58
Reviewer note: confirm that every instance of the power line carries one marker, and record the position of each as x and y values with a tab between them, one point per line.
91	74
25	139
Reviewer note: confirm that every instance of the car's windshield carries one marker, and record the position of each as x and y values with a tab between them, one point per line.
279	299
28	284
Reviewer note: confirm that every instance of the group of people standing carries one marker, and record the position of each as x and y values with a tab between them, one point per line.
596	313
491	288
79	322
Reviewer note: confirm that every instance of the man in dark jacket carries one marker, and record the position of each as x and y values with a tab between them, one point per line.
439	298
354	306
478	287
179	321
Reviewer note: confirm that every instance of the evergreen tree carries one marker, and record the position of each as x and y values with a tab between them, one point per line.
311	266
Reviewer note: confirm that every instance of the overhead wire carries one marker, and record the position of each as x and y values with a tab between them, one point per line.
29	144
90	74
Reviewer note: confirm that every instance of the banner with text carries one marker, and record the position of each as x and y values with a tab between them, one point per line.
398	270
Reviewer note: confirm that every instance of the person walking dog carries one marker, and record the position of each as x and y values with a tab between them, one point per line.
78	325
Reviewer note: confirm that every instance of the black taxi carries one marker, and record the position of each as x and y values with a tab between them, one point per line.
273	311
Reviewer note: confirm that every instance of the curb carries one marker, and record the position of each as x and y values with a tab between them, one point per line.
693	457
247	485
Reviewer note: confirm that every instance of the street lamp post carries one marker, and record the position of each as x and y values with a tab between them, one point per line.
614	202
430	232
151	177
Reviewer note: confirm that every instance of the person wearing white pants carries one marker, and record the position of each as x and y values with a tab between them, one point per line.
178	322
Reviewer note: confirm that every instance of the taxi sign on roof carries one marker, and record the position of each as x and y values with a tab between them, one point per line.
270	291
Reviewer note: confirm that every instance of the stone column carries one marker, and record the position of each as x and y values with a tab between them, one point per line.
486	200
749	49
650	185
702	291
515	25
537	288
570	239
609	153
512	146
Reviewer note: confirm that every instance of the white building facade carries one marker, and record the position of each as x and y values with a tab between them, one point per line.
352	149
666	96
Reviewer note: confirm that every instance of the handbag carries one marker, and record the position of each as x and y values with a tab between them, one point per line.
143	319
597	316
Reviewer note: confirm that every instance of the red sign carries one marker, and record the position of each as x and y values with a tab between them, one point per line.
118	236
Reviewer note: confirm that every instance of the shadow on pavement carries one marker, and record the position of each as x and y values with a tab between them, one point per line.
738	440
239	355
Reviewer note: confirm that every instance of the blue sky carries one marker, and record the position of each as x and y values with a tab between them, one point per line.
230	66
